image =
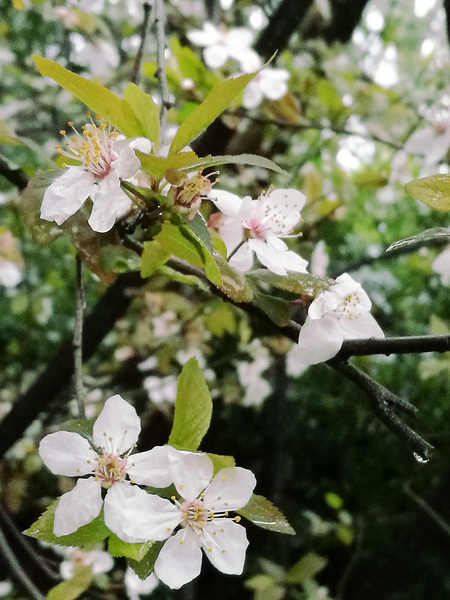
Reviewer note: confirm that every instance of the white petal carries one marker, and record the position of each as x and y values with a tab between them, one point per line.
284	206
361	327
231	489
67	194
441	265
109	202
229	204
180	559
117	427
151	467
137	586
228	545
148	517
274	254
319	340
78	507
127	163
67	453
215	56
243	259
273	83
252	96
191	472
206	36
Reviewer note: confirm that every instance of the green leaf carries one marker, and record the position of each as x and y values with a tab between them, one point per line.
158	165
253	160
220	461
87	535
434	191
74	587
263	513
277	309
83	427
436	236
153	257
234	283
306	568
221	320
118	259
7	136
97	97
215	103
333	500
298	283
145	111
193	408
144	567
117	547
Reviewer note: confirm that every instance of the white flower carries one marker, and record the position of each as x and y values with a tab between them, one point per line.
338	314
257	225
201	511
136	586
269	83
108	461
106	160
101	561
220	45
441	265
10	273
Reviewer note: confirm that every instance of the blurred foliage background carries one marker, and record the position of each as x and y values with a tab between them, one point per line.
368	109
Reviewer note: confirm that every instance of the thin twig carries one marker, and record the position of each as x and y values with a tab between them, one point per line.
427	509
161	64
139	56
78	340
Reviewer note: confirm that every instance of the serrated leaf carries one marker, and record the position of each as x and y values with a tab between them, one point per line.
74	587
153	257
215	103
145	111
193	408
87	535
7	135
252	160
144	567
83	427
263	513
277	309
98	98
234	284
117	547
298	283
158	165
306	568
220	461
436	236
434	191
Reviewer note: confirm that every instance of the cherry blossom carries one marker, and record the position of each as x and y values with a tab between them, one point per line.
255	226
107	461
441	265
338	314
201	511
101	561
269	83
105	159
137	587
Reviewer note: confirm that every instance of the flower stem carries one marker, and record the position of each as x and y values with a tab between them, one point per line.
233	252
78	340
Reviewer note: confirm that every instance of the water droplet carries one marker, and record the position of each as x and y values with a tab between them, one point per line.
420	458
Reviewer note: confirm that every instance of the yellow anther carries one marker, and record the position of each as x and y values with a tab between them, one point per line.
70	123
181	542
237	518
62	132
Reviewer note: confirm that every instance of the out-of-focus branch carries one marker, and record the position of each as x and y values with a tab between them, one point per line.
78	339
139	56
161	64
15	176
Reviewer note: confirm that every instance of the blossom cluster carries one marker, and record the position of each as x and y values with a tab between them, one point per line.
196	518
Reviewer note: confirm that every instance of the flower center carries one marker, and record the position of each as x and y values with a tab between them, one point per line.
350	307
94	148
110	469
256	228
194	514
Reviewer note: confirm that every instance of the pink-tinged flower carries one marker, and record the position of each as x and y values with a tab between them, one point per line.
107	461
105	160
338	314
441	265
201	514
256	226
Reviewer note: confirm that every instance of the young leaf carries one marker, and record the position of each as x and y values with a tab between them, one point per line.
234	283
263	513
144	110
306	568
436	236
74	587
193	408
277	309
434	191
252	160
158	165
144	567
221	461
215	103
299	283
97	97
153	257
87	535
117	547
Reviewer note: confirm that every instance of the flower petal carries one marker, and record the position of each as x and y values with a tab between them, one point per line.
67	194
229	204
191	472
109	202
151	467
319	340
180	559
360	327
117	426
215	56
275	255
78	507
147	516
231	489
127	163
228	545
67	453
